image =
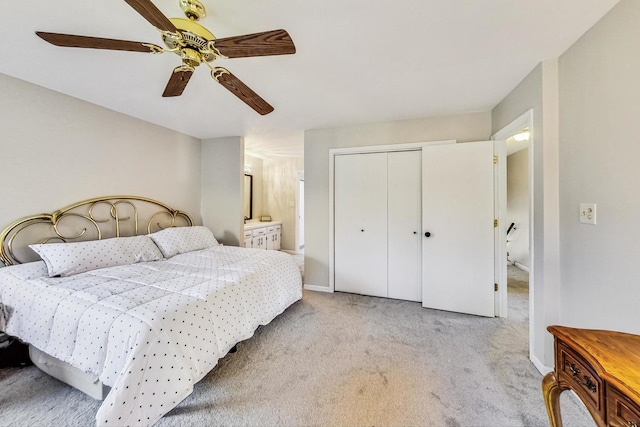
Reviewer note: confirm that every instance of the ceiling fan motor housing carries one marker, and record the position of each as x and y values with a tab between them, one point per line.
194	37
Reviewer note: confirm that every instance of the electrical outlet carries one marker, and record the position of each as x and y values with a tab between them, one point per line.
588	213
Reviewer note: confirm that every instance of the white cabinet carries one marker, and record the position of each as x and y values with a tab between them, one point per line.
263	235
248	238
259	238
273	237
377	223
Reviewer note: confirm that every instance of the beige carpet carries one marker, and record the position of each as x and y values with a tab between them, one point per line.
344	360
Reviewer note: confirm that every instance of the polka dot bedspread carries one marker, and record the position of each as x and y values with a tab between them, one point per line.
149	330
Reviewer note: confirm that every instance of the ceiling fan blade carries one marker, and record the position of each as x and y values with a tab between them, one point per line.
276	42
178	81
152	14
68	40
241	90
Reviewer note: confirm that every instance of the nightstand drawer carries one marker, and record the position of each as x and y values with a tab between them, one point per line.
581	375
621	411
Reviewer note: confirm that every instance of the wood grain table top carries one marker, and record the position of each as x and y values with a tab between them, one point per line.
614	355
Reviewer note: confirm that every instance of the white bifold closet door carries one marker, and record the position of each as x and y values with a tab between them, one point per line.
404	199
458	219
377	201
361	224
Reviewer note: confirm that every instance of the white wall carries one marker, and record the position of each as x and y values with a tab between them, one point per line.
57	150
599	155
317	142
585	117
518	206
279	191
223	188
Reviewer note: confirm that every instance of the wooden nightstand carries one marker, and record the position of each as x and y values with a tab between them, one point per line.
603	368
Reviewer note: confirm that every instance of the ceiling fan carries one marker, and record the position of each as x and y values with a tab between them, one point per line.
194	44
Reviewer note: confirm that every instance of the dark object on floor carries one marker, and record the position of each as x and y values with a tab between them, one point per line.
234	349
14	353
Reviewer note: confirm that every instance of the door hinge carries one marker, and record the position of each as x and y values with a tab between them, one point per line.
495	222
495	160
495	287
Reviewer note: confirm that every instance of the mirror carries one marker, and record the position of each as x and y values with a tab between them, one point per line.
248	196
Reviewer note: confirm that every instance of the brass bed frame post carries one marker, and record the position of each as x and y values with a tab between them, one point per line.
9	233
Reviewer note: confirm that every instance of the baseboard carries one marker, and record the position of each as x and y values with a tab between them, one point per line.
544	370
289	251
317	288
521	266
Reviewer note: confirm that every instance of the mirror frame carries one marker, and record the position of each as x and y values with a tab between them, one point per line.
250	216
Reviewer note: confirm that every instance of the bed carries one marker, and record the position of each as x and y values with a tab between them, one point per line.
140	314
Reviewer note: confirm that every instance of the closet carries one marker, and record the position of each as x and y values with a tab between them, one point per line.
417	223
377	224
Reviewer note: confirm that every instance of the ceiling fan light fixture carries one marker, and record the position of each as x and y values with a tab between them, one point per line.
190	57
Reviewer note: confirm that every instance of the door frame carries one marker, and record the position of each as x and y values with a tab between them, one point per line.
525	120
500	234
333	152
299	201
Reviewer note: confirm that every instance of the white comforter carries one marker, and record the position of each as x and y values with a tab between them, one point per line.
149	330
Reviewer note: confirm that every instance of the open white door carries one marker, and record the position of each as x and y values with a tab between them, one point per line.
458	228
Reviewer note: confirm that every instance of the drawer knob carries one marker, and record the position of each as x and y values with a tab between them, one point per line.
589	384
575	371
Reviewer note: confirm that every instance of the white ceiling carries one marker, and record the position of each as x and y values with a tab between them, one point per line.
357	61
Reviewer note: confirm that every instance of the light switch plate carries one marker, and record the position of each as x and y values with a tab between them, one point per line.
588	213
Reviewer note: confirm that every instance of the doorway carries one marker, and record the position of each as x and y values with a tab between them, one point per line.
518	199
300	213
515	246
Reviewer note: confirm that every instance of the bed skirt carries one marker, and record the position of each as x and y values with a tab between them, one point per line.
87	383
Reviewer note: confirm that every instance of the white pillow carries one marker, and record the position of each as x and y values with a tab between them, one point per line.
26	271
66	259
178	240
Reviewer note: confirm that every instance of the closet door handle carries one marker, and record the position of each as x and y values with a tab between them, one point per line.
415	232
427	234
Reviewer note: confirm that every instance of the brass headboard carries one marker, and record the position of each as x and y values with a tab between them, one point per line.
93	219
